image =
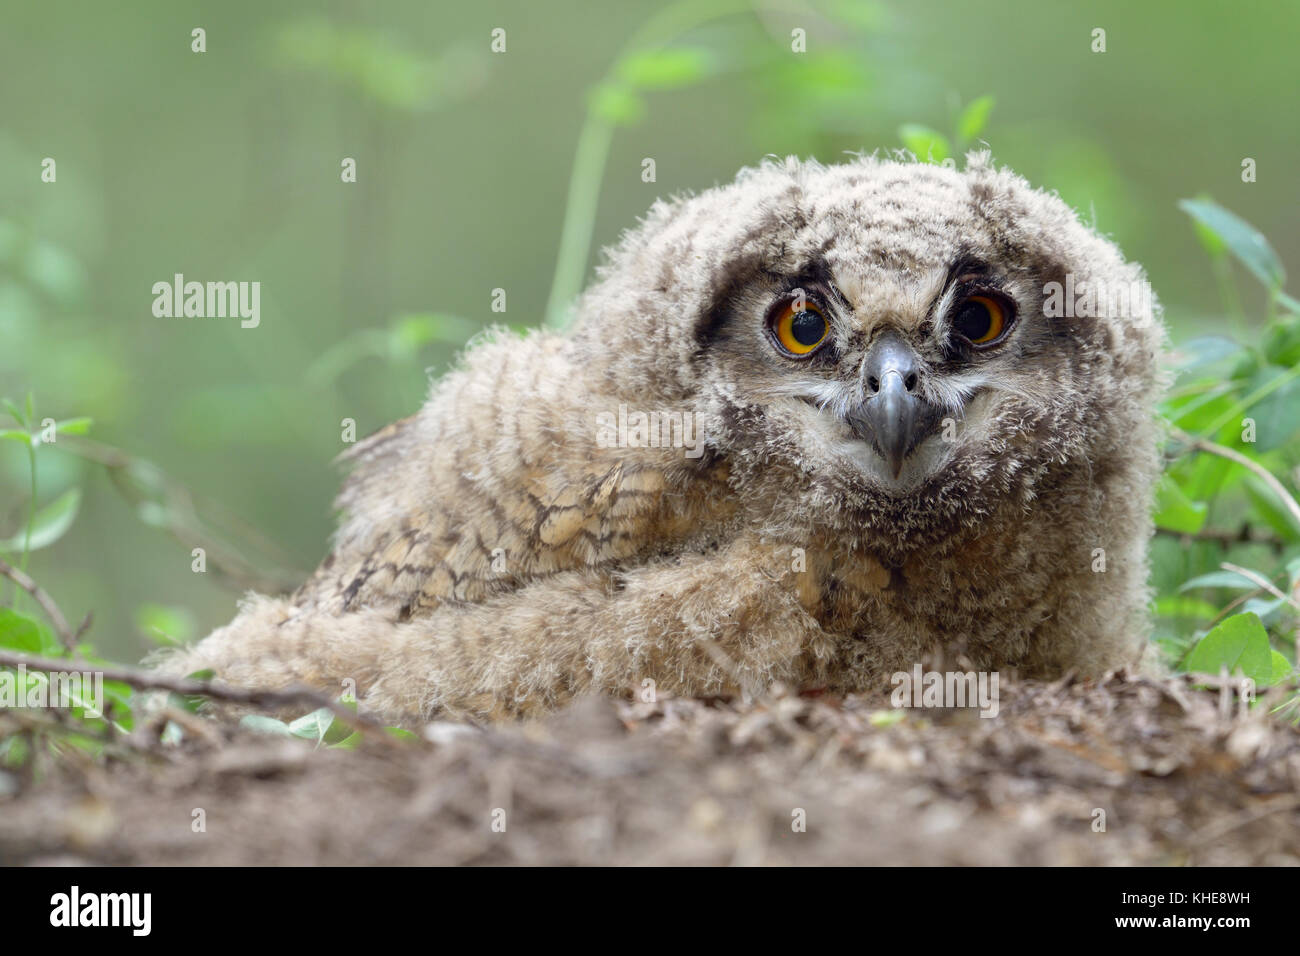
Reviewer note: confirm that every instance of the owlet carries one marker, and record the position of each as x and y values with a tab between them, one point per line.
813	426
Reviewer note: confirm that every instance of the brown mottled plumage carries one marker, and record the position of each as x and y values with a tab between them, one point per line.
498	555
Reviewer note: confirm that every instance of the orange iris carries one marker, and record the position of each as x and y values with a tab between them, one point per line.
799	332
996	316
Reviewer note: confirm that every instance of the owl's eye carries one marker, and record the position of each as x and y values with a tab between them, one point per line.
800	331
981	320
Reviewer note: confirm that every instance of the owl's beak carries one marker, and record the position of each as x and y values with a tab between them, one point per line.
894	418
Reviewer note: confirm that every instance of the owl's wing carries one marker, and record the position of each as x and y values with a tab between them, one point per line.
489	523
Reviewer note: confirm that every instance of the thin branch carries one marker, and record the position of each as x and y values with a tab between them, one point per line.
83	627
1246	535
1264	475
216	690
45	601
1259	579
139	481
1234	604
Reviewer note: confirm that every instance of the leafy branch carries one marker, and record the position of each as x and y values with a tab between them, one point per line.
643	64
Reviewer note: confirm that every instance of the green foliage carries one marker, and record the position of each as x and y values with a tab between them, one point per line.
166	626
1229	486
926	144
1177	512
931	146
19	632
1220	229
974	118
1239	645
382	69
323	727
49	523
45	524
669	68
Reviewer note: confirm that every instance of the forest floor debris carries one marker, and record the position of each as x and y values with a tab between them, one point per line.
786	779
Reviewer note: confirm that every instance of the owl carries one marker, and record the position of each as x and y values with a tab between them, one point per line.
810	427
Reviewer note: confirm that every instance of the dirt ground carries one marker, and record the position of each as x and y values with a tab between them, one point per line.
782	780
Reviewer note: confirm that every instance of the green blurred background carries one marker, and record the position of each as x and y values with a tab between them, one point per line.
225	165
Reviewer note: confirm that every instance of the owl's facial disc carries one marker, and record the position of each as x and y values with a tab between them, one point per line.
895	417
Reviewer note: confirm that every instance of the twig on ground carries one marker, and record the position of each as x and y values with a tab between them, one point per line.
1221	828
216	690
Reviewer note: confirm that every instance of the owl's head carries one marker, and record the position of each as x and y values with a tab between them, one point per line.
884	346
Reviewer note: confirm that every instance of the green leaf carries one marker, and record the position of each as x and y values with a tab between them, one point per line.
16	434
73	426
400	733
1203	350
1199	412
974	118
1277	414
1281	668
14	411
1242	239
50	524
666	69
193	702
1238	643
1266	608
347	743
1210	476
1221	579
617	104
265	725
338	732
1265	502
1186	608
924	142
168	626
409	333
21	633
172	734
1281	341
1177	512
314	726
